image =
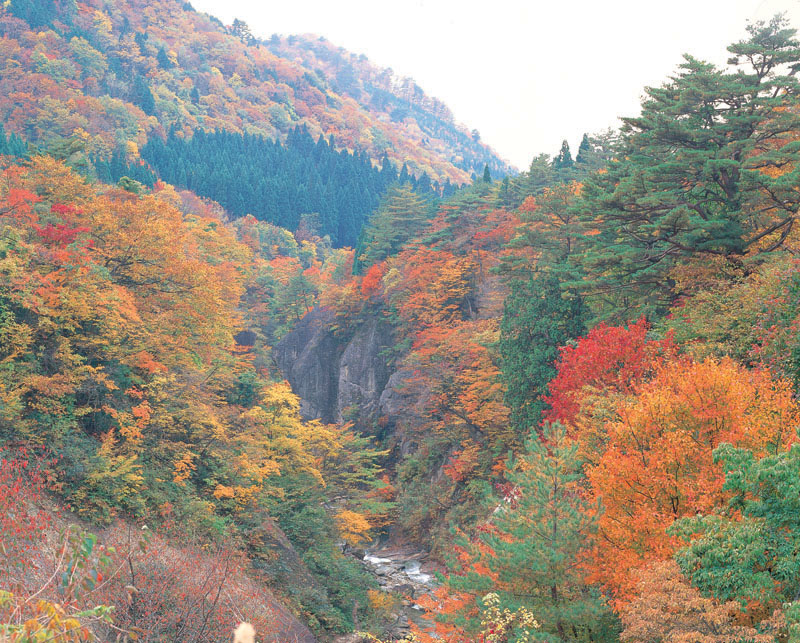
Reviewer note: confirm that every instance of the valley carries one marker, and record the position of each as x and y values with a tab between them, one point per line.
282	343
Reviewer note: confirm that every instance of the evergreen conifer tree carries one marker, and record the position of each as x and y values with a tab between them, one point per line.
536	540
709	168
250	174
504	195
537	320
584	150
401	216
163	59
142	95
563	161
37	13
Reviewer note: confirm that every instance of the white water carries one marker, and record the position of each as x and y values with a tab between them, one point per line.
412	570
395	572
374	560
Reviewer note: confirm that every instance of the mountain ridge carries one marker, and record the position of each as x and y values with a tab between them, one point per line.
124	73
356	76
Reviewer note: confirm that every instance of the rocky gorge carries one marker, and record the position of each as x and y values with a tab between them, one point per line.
351	376
345	377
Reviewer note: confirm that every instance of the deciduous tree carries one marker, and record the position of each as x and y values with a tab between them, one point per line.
658	465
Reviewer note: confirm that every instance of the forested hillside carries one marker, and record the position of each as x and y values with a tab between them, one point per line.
103	75
591	393
104	86
567	397
421	118
332	193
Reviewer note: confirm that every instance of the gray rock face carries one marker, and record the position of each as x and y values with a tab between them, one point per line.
335	378
398	404
394	400
363	371
307	356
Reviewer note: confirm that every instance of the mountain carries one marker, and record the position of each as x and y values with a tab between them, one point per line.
397	99
109	75
573	392
156	90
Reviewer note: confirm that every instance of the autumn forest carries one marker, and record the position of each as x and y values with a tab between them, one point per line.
283	343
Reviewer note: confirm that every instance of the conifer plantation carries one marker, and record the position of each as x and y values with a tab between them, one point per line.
283	344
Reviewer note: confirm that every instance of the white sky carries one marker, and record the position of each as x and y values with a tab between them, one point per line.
525	74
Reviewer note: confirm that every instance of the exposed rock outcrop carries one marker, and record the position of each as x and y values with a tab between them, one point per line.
308	357
336	378
408	574
363	370
397	405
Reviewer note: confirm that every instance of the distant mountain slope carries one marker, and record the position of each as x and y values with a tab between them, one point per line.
87	78
398	99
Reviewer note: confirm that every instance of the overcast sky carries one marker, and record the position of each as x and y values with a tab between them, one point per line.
525	73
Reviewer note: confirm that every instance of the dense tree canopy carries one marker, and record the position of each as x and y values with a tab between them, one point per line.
575	389
710	168
279	183
532	551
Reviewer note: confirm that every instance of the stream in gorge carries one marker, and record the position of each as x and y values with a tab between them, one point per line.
405	573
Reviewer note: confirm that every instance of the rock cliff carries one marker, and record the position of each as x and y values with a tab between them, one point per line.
338	378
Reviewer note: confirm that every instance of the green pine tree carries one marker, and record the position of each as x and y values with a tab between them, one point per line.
163	59
143	96
710	168
540	175
37	13
537	320
504	194
535	541
584	151
401	216
563	161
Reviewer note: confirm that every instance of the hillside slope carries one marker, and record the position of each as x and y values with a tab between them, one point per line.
392	98
591	389
86	78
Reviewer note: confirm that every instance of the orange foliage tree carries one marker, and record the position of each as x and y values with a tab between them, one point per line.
667	608
658	466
